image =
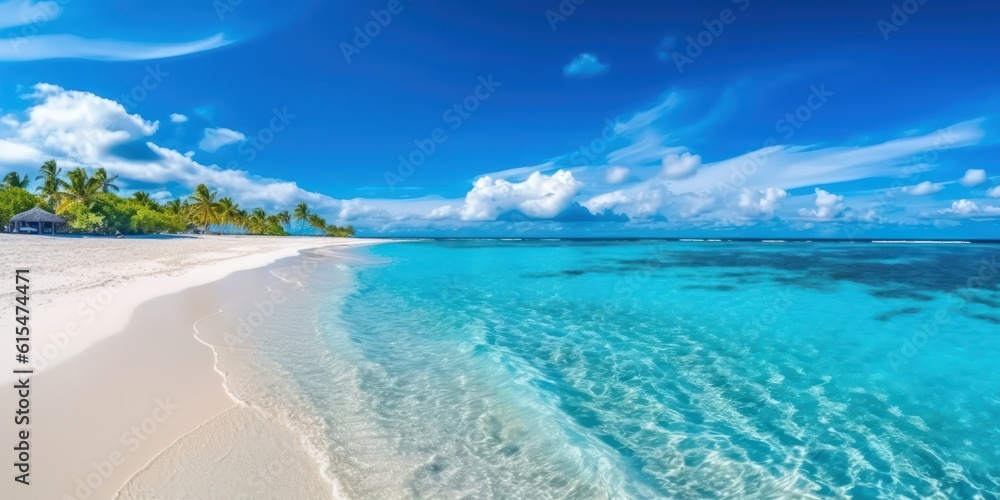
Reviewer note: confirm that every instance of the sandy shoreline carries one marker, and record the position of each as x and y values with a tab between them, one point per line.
120	374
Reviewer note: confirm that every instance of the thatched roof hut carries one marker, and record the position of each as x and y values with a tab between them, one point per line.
35	218
37	215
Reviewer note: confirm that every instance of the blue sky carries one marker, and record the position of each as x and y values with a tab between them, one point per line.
589	118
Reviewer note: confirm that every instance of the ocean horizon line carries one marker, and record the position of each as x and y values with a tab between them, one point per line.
693	240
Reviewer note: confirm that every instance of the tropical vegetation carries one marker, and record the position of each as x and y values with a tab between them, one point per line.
90	204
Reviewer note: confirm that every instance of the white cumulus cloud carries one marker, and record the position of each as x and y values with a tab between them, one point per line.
445	212
178	118
78	124
828	205
606	201
969	208
80	129
584	66
616	175
697	204
638	201
13	153
757	202
922	189
540	196
994	192
961	207
679	167
973	177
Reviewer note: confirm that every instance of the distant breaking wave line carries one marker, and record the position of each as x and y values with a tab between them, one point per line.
923	242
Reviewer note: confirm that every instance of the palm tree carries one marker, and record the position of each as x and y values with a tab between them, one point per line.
301	214
341	232
317	222
80	188
14	181
229	212
284	218
204	207
52	180
104	183
257	221
141	197
174	206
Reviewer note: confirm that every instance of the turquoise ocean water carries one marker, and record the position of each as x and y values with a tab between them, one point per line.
561	369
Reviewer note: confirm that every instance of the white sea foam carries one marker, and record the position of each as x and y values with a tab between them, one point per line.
922	242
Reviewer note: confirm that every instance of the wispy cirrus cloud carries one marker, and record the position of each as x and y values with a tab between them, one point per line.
216	138
23	21
42	47
643	119
727	196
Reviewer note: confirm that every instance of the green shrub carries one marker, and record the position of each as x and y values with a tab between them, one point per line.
81	219
149	221
14	201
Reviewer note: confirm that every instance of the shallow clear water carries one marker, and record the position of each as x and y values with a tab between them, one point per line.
648	369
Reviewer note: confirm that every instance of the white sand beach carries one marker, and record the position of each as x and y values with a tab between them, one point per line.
119	374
